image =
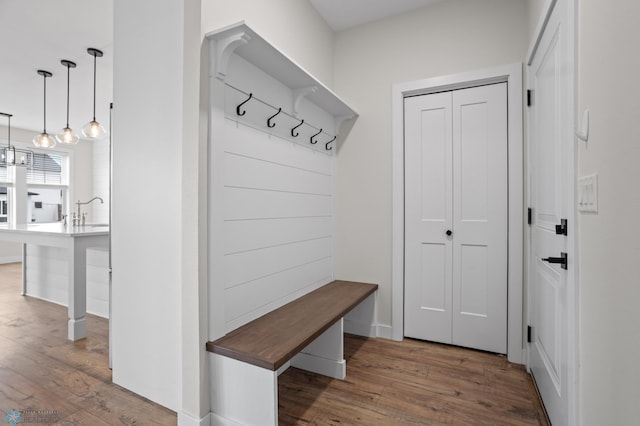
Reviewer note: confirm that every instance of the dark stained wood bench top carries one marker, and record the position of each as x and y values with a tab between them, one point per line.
274	338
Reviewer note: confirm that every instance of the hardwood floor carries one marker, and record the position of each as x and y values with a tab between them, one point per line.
63	382
388	383
411	383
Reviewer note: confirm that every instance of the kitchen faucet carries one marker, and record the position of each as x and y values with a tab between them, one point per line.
86	202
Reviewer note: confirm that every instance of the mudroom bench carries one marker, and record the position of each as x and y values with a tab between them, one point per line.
306	333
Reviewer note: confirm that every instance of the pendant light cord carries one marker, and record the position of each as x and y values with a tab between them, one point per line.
68	68
94	87
45	104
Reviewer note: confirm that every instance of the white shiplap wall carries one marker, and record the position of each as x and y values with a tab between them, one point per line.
278	222
47	277
274	199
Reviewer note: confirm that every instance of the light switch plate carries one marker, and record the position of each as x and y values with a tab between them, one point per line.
588	194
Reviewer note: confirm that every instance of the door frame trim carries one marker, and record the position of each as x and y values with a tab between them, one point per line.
512	75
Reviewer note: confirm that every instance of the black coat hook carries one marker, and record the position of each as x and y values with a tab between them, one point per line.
296	134
241	113
269	123
327	147
311	138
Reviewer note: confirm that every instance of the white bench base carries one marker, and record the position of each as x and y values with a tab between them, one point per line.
245	394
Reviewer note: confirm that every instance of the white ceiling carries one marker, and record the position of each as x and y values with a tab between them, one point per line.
37	34
345	14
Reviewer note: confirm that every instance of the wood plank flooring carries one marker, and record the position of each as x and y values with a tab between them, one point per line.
411	383
388	383
63	382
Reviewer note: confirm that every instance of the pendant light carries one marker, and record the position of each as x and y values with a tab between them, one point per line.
94	130
44	140
8	155
66	135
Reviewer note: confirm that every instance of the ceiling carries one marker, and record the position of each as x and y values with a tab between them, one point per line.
345	14
37	34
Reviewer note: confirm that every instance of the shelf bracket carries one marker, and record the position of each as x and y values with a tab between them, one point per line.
299	94
224	48
341	119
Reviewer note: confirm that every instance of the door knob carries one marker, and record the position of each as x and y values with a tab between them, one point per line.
562	260
449	232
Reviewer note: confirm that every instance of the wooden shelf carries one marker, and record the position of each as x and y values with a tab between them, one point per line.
246	43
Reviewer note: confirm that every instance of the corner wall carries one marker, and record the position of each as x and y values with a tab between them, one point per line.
147	136
609	248
157	266
446	38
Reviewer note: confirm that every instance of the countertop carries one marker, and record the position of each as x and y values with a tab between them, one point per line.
56	229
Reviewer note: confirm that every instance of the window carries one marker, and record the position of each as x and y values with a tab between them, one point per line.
3	173
46	169
47	187
3	208
47	190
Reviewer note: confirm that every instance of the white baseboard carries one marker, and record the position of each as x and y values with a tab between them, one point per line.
384	331
10	259
324	366
217	420
185	419
359	328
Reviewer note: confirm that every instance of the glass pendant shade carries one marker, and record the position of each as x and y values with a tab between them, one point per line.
67	136
94	130
44	140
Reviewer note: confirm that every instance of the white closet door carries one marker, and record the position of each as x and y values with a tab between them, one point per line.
428	215
480	218
456	217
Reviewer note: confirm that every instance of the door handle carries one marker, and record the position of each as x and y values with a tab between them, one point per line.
449	232
562	260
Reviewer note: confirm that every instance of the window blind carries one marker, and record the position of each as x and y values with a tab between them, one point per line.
47	168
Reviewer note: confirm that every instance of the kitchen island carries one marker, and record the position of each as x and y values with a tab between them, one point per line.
75	240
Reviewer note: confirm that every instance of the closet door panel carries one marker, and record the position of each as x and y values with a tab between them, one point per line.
456	217
480	217
428	191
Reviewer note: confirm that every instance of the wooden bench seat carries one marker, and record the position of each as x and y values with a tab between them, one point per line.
273	339
307	333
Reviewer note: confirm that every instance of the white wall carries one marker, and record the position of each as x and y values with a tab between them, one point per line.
293	26
534	10
609	248
446	38
99	212
146	248
156	260
81	183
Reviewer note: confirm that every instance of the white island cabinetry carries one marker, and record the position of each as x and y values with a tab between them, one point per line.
55	267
